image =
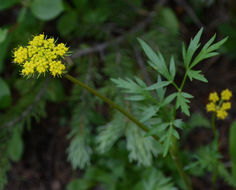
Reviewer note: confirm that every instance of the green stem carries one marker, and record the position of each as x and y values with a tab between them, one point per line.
183	81
110	102
174	154
175	85
213	125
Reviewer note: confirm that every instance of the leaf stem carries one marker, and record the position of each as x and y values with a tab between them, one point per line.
175	85
110	102
183	81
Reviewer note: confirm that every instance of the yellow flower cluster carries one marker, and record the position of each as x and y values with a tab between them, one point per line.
222	106
41	55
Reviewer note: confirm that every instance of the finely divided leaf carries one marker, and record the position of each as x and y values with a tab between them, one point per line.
156	60
79	152
158	85
167	140
110	133
169	99
208	50
155	180
141	148
193	46
196	75
158	129
148	112
182	102
135	88
160	91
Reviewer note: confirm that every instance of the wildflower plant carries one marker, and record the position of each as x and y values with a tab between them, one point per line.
155	108
219	107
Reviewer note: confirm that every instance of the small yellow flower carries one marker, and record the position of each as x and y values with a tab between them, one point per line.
213	97
226	94
211	107
40	56
226	106
20	55
221	114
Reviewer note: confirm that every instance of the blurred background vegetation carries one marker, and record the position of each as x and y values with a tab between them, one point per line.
54	135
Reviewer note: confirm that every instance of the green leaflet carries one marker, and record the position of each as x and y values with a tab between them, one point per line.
158	85
46	10
141	148
206	52
196	75
110	133
155	180
182	102
15	146
79	152
136	89
156	60
193	46
3	34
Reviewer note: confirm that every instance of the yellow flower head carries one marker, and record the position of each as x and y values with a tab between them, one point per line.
213	97
221	107
226	94
41	55
226	106
211	107
221	114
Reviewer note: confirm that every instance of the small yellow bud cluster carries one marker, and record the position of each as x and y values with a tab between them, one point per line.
41	55
222	106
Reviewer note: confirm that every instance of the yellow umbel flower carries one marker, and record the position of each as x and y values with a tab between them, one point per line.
40	56
222	106
211	107
221	114
226	94
213	97
226	106
20	55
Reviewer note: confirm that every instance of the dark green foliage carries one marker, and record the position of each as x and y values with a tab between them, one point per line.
5	95
232	148
109	149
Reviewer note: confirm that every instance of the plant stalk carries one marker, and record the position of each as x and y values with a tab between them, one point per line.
110	102
215	171
213	125
174	154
